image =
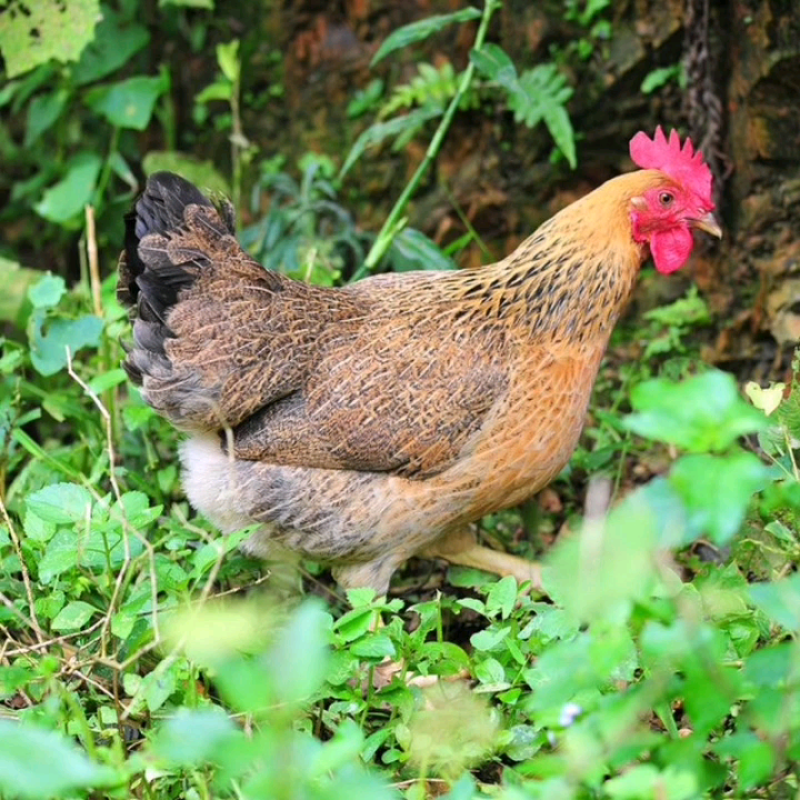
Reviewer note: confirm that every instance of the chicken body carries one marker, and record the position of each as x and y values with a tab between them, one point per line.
362	425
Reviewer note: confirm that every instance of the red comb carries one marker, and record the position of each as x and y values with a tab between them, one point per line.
682	164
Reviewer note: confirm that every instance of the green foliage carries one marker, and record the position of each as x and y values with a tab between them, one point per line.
130	666
703	414
431	87
421	30
94	147
306	234
538	94
671	324
661	76
32	34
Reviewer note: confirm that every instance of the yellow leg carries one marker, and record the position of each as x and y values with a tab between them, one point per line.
461	547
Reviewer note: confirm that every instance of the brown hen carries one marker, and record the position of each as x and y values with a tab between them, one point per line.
362	425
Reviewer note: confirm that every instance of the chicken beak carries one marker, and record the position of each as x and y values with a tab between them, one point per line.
708	224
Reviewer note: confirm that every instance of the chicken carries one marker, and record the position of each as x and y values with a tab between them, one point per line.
362	425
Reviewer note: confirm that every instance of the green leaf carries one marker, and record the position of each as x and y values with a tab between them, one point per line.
129	103
658	77
49	349
40	764
195	737
43	111
494	63
420	30
501	597
490	672
381	131
489	639
716	492
538	94
67	198
115	42
610	564
33	33
542	95
646	781
61	503
218	90
560	126
780	601
73	616
773	665
704	413
47	292
228	60
375	646
412	250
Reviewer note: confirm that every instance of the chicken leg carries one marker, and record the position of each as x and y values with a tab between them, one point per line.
461	547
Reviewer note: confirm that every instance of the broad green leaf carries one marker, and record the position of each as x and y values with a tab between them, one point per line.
43	111
214	632
780	601
586	663
73	616
62	503
490	671
420	30
376	645
115	42
67	198
195	737
703	413
60	556
609	565
218	90
756	758
413	250
776	664
715	491
35	32
489	639
501	597
129	103
49	348
354	624
646	781
228	60
38	764
47	291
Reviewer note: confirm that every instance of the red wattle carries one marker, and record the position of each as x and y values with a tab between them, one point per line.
671	249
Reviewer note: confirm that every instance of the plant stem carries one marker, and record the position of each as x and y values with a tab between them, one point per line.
394	222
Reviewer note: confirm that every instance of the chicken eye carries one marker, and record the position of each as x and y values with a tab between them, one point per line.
666	198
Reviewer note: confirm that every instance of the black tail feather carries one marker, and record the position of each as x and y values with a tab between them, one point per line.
153	268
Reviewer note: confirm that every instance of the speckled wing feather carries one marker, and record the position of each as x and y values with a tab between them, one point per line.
396	390
358	378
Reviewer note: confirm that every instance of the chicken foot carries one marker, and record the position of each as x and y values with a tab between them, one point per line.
461	547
